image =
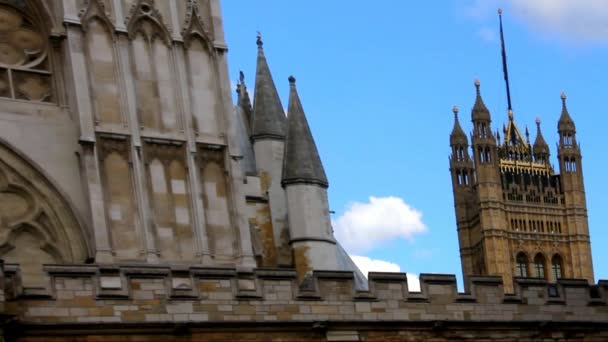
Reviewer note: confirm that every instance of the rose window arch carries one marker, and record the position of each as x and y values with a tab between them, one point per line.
24	61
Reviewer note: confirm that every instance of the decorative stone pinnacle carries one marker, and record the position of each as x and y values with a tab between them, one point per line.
538	120
455	109
510	115
499	11
477	84
292	80
259	41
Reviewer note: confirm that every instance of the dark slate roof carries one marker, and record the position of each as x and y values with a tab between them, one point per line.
565	122
480	111
301	161
269	120
457	137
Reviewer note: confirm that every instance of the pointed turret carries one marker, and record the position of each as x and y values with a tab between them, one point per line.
268	116
480	111
565	122
457	137
268	129
540	148
305	183
302	164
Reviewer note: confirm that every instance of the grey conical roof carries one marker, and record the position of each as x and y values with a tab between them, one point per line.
457	137
565	122
301	161
269	120
480	111
540	145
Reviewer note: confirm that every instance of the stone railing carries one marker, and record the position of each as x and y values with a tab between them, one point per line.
141	293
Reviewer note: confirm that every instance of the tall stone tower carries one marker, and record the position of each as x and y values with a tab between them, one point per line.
516	216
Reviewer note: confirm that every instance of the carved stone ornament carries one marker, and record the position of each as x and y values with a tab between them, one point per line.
194	26
211	154
95	9
118	144
147	20
165	152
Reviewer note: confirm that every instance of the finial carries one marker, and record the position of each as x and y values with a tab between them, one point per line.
563	96
477	84
538	121
510	115
455	111
241	77
259	41
527	134
499	11
292	80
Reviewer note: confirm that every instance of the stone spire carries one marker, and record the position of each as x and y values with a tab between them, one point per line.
457	137
268	117
301	161
540	145
480	111
565	122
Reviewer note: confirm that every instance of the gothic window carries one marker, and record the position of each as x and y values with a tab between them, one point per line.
521	265
556	266
539	266
25	72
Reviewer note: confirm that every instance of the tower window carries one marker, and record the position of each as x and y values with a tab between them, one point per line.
521	265
539	266
556	266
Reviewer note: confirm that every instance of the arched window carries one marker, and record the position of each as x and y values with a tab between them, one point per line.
521	265
539	266
556	267
25	72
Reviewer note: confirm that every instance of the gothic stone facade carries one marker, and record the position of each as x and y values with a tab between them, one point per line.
516	216
137	203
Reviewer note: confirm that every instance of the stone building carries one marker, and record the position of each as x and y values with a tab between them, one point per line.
516	216
138	204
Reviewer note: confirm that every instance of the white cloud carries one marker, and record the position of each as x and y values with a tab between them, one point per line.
367	265
566	19
367	225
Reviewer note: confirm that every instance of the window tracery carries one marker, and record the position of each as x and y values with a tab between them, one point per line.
25	72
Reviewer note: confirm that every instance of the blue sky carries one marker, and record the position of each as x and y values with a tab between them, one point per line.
378	81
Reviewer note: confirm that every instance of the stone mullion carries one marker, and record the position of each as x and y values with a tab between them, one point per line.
119	16
237	205
198	213
139	174
82	105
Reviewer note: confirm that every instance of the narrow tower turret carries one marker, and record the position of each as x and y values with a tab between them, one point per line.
306	186
268	128
571	170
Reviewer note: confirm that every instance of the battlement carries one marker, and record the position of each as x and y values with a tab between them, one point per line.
143	293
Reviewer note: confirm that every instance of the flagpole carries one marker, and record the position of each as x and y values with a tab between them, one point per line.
504	61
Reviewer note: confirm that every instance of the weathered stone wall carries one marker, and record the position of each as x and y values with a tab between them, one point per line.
193	299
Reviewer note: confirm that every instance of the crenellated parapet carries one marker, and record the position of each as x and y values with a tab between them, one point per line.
138	293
